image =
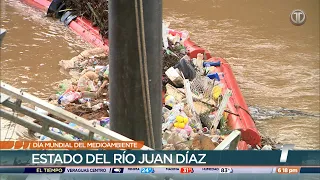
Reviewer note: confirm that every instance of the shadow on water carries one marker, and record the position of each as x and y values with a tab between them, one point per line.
259	113
288	126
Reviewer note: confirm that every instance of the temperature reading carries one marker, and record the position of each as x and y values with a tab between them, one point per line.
226	170
147	170
185	170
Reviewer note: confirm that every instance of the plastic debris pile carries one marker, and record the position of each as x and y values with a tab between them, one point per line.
86	93
192	96
173	49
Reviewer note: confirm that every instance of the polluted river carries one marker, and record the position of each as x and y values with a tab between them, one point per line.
275	63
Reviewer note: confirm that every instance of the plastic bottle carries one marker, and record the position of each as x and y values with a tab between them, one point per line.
105	102
218	76
97	106
70	97
64	99
165	32
82	100
184	36
174	39
44	138
89	103
170	101
99	67
199	61
104	122
74	96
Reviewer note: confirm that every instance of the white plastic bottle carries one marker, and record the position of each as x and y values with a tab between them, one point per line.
97	106
165	32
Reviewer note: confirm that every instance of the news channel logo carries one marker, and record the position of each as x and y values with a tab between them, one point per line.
298	17
284	151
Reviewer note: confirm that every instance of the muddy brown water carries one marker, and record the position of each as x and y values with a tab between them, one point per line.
275	62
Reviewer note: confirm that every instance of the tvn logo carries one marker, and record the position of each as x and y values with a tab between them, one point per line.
284	151
15	145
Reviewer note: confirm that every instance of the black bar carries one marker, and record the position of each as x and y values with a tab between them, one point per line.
135	50
310	170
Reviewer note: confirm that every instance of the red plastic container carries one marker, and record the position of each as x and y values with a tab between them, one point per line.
42	5
193	49
83	28
243	122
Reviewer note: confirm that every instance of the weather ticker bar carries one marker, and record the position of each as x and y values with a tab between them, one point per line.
161	170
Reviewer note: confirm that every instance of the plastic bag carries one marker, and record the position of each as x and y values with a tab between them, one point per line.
91	86
83	83
186	68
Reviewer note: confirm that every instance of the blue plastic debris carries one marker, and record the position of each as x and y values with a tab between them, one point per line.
206	64
214	76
